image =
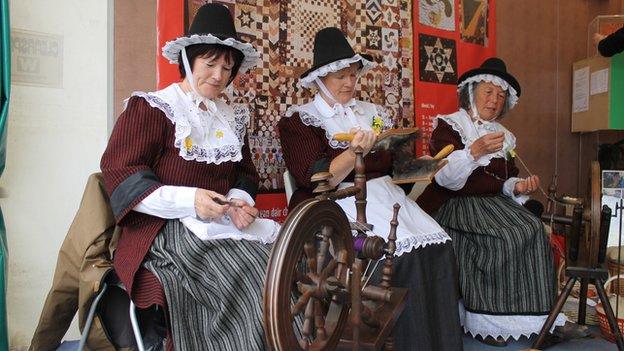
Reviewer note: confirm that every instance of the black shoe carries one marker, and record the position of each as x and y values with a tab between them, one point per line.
571	331
551	340
489	340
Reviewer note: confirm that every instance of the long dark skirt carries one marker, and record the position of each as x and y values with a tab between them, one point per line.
504	258
430	320
213	289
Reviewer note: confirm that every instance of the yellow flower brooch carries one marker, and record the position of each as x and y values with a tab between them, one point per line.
377	125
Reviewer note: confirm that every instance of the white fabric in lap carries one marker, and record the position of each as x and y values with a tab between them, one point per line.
262	230
179	202
416	228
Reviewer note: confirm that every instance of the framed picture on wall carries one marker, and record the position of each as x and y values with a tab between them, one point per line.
613	183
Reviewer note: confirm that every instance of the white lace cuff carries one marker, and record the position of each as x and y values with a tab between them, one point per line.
508	189
235	193
169	202
460	166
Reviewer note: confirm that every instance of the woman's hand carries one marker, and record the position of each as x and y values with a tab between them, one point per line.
242	214
487	144
206	207
527	186
597	38
364	139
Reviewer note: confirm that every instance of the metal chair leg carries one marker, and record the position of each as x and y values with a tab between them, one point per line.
135	327
90	316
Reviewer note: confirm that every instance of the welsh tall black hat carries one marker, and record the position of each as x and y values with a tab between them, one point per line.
332	52
213	24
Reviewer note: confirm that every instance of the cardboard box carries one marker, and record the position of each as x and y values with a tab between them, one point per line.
598	94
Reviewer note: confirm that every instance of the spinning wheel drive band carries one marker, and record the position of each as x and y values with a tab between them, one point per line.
306	294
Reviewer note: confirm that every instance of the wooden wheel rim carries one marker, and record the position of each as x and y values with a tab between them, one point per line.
298	229
595	208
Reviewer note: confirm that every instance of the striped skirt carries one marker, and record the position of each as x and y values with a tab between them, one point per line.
213	289
503	254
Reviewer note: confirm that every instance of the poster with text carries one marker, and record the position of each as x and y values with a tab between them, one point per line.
442	52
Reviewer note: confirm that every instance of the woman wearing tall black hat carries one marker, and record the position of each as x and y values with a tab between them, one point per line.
505	264
182	185
425	262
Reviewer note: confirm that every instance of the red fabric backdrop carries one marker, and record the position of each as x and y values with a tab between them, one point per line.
450	37
170	25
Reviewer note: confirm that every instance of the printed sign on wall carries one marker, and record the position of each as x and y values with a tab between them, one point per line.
37	58
443	52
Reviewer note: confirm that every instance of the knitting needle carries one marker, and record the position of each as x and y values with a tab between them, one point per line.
231	203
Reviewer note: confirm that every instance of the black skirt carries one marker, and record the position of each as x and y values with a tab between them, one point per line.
430	320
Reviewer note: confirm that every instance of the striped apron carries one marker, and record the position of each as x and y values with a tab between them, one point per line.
503	254
213	289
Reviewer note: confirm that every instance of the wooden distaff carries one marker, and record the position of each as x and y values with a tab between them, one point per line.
391	139
390	132
444	152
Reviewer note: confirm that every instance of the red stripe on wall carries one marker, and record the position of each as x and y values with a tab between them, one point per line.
432	98
170	25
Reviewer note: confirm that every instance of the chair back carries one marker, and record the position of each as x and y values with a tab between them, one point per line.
289	185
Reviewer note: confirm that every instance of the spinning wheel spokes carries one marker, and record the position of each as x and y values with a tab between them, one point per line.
319	285
309	279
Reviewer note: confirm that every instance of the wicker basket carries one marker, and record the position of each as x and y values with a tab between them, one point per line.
613	272
604	323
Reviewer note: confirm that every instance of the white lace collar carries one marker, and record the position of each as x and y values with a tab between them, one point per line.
213	135
470	131
318	113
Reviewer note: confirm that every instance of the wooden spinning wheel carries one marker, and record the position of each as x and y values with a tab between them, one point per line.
307	279
317	294
584	264
586	219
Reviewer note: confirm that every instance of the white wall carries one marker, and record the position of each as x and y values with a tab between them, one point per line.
55	139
